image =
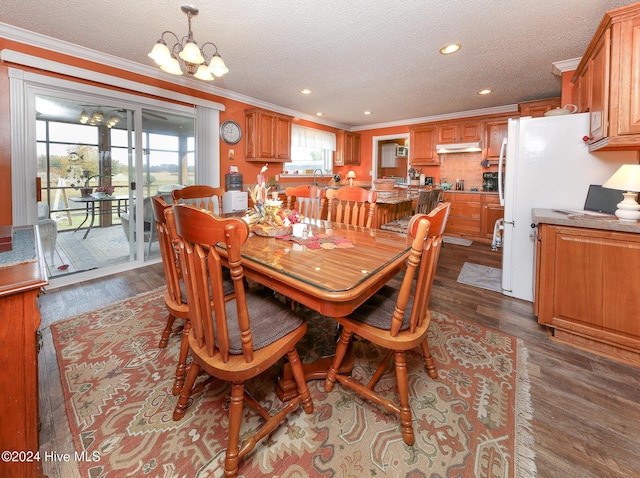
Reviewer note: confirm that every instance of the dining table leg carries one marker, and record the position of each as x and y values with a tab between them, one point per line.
286	387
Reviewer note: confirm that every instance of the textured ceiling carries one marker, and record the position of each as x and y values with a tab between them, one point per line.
357	55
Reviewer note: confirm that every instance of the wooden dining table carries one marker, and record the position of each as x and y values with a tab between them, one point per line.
332	276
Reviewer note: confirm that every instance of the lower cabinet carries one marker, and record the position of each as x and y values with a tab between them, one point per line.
20	283
491	212
587	284
473	214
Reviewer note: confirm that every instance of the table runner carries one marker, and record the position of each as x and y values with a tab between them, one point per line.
321	241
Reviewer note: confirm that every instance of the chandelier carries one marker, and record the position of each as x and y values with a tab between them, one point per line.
193	57
97	118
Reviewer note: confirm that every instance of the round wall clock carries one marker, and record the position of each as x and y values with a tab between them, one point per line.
230	132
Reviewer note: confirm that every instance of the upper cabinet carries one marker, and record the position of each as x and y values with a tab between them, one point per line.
495	132
459	132
422	147
606	81
538	108
268	136
347	149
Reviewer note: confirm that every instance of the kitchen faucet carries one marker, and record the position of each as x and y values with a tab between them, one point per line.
315	182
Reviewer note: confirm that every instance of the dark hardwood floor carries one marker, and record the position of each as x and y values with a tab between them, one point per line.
586	408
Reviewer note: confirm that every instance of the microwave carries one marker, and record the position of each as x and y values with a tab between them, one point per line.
402	151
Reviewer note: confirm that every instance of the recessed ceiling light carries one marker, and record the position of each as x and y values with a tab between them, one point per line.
319	113
305	91
448	49
486	91
367	112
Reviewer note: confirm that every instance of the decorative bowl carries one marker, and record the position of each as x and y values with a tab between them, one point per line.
271	231
384	184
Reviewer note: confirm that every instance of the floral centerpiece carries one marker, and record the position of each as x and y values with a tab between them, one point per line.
107	190
268	217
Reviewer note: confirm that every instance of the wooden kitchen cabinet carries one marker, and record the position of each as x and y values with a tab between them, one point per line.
21	279
459	132
347	149
267	136
491	212
422	151
473	214
465	214
538	108
495	132
587	289
607	78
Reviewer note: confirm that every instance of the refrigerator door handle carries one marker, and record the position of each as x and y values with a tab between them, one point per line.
503	148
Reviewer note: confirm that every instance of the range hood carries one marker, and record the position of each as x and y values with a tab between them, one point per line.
458	148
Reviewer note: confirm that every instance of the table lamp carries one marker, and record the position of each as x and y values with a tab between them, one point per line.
351	176
626	178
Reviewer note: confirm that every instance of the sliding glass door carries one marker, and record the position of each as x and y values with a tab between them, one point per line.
93	180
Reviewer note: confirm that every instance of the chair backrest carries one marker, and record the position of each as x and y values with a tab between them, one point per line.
351	205
428	200
168	240
422	207
200	196
426	231
306	199
202	270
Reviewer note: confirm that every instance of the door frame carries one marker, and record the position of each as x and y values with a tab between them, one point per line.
24	86
374	151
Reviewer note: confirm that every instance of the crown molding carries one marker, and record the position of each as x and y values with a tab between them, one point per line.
559	67
442	117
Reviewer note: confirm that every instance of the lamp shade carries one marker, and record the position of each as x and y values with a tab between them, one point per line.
203	73
172	67
217	66
627	178
191	53
160	53
351	175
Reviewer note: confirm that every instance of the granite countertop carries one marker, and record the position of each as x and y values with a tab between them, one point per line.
470	192
607	223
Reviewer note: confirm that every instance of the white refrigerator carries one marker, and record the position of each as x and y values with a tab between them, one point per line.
546	164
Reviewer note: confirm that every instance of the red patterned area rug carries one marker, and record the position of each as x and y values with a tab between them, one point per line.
472	421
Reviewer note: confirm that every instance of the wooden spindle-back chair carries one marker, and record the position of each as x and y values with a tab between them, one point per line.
397	320
351	205
233	340
200	196
307	200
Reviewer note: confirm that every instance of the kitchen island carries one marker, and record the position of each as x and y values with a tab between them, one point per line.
587	281
393	205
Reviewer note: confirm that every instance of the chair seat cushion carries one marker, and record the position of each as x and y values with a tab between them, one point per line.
270	320
378	310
